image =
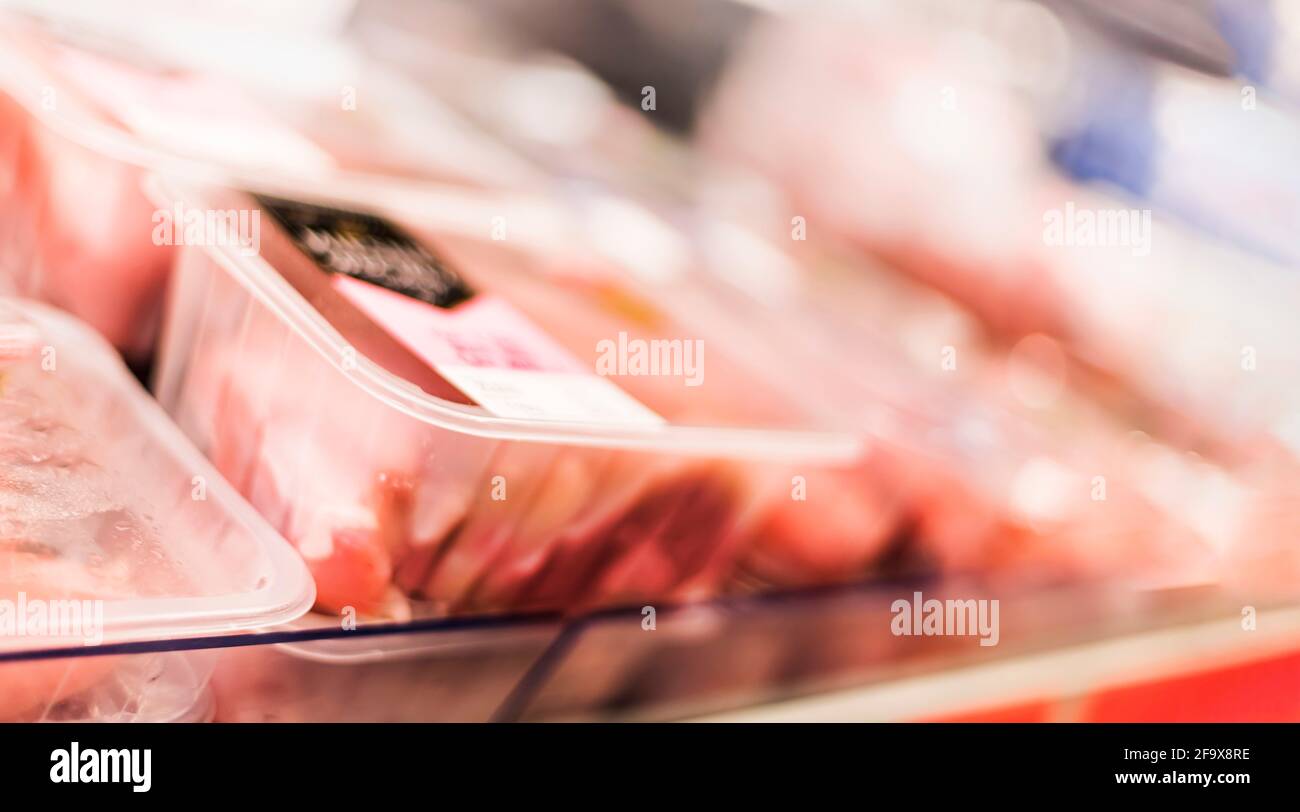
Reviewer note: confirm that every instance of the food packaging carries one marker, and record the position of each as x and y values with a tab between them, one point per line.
119	538
85	115
553	490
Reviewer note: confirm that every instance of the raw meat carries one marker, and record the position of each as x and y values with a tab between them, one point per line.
69	528
78	232
374	499
28	686
571	534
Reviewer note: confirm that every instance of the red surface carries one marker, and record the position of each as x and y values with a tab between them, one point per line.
1264	690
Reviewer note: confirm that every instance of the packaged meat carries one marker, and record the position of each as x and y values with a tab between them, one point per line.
411	461
84	114
76	231
115	531
601	526
908	105
1021	465
1023	250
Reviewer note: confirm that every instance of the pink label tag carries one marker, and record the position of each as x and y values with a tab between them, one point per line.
483	332
492	353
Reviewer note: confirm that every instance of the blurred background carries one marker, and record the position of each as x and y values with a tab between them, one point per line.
1041	255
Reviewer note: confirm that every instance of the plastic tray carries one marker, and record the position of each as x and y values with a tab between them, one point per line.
316	432
109	508
1159	495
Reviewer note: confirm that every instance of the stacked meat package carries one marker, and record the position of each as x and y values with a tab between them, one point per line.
116	532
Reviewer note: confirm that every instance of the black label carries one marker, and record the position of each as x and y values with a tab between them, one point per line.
368	248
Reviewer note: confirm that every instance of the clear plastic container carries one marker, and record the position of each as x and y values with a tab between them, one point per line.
118	538
83	115
75	231
391	493
1027	462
